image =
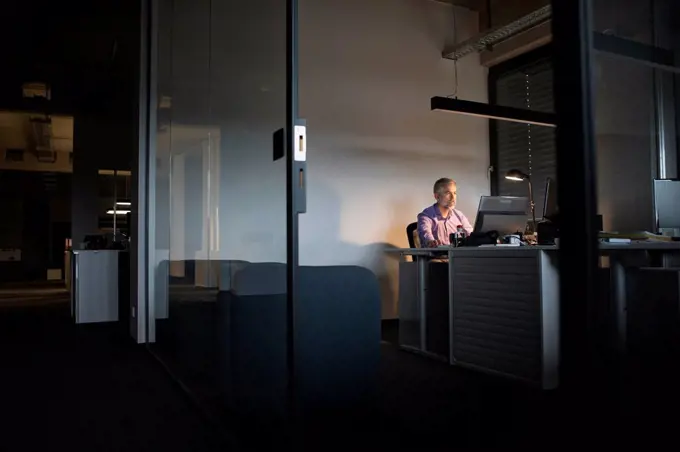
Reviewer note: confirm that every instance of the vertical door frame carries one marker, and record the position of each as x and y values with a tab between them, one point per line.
572	43
151	162
142	250
292	111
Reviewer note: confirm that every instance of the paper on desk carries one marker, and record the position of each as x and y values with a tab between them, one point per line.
637	235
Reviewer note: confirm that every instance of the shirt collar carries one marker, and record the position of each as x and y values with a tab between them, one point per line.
438	213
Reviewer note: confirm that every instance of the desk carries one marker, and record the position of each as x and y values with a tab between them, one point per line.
623	256
503	304
415	284
504	311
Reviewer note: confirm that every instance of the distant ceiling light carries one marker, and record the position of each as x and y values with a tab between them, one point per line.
117	212
123	203
499	112
106	172
36	89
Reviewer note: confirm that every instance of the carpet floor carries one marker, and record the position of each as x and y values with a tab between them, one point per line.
87	387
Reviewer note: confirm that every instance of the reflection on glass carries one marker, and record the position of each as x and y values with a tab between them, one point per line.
220	198
626	19
624	142
114	201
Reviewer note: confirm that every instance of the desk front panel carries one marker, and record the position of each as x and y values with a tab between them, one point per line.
496	318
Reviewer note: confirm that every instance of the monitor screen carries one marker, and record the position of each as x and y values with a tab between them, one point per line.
550	200
666	203
503	214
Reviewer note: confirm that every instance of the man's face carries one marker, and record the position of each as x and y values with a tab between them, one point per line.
446	196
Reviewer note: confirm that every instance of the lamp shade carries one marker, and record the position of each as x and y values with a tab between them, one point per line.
515	174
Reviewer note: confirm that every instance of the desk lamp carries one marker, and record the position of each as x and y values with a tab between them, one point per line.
517	175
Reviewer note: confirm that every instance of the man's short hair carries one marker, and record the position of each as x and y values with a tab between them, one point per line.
443	182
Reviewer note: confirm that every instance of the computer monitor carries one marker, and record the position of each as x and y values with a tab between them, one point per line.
667	204
550	209
503	214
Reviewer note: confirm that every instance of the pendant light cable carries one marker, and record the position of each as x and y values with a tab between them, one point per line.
455	61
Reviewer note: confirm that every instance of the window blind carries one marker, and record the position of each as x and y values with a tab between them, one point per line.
528	148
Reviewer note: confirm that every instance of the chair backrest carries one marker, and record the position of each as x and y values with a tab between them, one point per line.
410	233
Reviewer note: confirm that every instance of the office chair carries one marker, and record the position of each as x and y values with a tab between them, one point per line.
411	235
411	231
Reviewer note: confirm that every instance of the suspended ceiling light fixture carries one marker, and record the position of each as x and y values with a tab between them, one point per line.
123	203
117	212
465	107
499	112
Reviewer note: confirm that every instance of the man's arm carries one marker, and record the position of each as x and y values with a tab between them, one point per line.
425	230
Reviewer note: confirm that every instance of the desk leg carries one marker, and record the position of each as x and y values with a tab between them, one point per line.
422	301
619	302
452	359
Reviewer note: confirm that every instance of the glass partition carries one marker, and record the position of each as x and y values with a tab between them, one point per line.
220	289
625	142
625	114
635	137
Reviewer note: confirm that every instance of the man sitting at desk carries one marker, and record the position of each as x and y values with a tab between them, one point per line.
438	221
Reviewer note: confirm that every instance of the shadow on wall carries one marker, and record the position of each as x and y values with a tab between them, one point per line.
321	243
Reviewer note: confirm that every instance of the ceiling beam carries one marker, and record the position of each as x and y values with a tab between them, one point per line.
474	5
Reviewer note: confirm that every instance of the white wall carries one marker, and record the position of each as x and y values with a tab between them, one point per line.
367	72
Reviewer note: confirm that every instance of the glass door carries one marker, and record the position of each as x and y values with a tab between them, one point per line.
224	229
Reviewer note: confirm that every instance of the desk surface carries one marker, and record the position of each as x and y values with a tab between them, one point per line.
650	246
637	246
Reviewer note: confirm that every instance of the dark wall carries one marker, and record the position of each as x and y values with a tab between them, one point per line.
85	50
34	205
99	143
36	228
105	135
89	54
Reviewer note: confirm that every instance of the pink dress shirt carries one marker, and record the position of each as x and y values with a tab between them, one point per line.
433	226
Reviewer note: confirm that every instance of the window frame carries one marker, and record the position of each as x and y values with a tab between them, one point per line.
494	74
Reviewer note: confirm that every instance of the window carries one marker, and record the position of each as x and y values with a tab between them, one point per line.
523	82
